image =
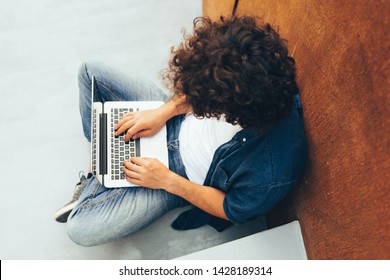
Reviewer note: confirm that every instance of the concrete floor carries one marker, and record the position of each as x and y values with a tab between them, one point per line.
42	148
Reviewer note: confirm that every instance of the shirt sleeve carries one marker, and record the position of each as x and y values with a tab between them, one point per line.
244	203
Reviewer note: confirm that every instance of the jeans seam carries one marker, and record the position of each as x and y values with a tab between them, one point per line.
90	204
109	89
86	71
94	191
102	84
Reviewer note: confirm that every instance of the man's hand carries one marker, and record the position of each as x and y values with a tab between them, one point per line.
147	172
140	124
151	173
148	122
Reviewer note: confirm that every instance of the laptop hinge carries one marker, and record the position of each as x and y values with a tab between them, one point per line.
103	144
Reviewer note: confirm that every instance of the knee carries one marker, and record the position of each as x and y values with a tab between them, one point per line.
90	229
80	234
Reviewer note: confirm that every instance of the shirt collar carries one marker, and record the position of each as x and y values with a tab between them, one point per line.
245	135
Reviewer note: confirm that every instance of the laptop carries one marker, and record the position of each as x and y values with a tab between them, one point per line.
108	151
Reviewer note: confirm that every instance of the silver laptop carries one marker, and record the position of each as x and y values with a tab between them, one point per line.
109	151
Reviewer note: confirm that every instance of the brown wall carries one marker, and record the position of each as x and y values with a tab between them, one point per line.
214	9
342	53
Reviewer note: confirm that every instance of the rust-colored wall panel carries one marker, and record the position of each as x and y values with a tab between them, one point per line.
216	8
342	53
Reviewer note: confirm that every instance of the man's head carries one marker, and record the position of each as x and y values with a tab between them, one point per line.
234	68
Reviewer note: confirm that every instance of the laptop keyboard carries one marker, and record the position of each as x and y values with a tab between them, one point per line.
121	150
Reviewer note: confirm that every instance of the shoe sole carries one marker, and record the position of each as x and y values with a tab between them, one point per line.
62	214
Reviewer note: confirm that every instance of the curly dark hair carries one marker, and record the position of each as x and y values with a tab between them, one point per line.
236	69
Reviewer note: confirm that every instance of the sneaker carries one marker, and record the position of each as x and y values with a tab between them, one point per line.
62	214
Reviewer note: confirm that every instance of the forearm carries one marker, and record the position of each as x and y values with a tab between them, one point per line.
151	173
206	198
174	107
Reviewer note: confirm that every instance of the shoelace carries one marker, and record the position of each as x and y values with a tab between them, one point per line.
80	185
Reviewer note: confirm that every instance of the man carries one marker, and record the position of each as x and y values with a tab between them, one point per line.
236	141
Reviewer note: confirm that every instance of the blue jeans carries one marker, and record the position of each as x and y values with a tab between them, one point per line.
103	215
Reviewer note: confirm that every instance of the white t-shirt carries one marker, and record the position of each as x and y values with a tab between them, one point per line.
199	139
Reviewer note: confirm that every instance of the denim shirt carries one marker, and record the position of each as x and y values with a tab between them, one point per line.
254	171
